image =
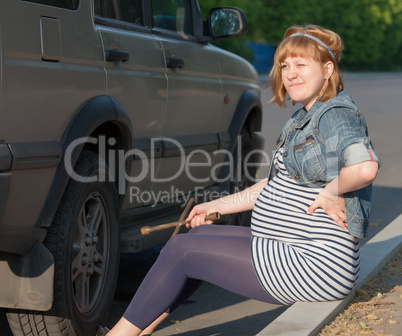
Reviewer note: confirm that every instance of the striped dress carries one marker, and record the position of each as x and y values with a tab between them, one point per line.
297	256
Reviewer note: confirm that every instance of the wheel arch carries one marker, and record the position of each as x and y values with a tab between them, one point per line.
98	115
248	114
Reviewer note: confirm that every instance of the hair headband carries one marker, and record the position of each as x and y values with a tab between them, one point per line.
317	40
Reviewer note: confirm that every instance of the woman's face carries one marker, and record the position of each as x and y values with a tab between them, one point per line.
304	78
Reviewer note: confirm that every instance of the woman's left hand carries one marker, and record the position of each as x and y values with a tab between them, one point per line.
351	178
334	206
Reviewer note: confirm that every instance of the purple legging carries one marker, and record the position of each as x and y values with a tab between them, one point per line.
220	255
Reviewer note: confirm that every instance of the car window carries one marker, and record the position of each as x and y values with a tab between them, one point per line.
122	10
173	15
67	4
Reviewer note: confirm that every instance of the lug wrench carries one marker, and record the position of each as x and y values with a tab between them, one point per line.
178	224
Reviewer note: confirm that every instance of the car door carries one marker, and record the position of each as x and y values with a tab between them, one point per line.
195	101
135	69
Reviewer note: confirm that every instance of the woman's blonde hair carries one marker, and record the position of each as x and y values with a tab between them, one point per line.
303	46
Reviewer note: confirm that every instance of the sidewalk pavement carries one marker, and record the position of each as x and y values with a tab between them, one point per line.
307	318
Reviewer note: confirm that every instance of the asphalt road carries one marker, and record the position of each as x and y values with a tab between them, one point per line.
212	311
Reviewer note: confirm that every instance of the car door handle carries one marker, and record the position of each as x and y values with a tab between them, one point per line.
116	55
173	62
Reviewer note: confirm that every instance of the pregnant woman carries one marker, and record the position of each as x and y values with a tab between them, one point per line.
308	215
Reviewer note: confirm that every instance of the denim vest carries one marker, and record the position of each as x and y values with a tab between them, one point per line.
317	144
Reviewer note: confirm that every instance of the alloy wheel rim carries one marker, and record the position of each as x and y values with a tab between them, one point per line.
90	252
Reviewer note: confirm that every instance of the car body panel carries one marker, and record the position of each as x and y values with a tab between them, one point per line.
140	85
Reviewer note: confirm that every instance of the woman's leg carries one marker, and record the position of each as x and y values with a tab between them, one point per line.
219	259
227	230
193	284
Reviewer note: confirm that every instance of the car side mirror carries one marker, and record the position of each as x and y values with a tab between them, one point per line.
226	22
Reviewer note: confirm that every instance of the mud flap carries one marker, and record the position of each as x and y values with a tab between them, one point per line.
27	281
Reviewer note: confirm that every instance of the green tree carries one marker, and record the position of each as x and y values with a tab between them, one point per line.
371	29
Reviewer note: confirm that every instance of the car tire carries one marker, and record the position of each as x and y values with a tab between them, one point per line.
84	239
244	173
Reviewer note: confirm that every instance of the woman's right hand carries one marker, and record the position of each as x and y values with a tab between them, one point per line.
197	215
233	203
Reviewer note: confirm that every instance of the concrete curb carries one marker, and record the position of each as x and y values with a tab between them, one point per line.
308	318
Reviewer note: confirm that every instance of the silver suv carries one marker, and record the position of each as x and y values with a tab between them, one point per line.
112	113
